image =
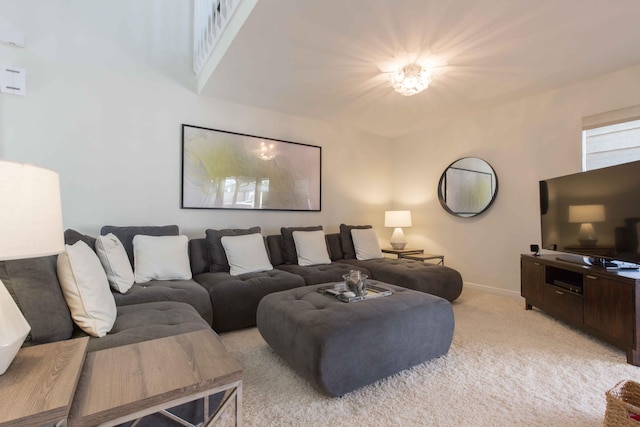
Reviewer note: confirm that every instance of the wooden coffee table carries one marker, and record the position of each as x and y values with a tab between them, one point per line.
128	382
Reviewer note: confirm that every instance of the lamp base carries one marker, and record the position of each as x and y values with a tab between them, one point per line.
398	241
13	329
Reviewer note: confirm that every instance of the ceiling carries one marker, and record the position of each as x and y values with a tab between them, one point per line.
327	60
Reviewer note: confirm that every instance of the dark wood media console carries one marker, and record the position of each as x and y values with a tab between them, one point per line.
602	303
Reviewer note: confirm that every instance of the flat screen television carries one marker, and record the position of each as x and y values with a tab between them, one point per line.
595	214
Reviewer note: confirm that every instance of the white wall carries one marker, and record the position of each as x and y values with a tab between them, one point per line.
108	87
109	84
525	141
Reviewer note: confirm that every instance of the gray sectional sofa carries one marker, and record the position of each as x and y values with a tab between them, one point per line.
213	298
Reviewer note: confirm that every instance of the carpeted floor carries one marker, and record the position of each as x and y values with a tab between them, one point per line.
507	366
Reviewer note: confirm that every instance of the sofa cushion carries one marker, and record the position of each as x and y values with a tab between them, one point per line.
86	289
187	291
126	234
311	247
115	261
433	279
246	254
143	322
217	256
366	244
161	258
276	251
34	286
348	249
72	236
198	256
235	298
322	273
289	245
335	246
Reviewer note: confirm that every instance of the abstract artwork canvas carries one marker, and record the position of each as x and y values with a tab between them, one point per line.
227	170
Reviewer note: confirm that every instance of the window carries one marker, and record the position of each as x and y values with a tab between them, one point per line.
611	138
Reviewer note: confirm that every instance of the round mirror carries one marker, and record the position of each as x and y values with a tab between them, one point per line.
468	187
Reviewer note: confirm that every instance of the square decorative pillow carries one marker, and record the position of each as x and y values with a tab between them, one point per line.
217	256
127	233
289	246
86	289
246	254
311	247
347	241
366	244
115	261
161	258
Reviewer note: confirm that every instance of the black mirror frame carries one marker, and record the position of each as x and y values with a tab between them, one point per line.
441	197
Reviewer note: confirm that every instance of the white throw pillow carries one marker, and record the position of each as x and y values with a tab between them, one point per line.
246	254
366	244
115	261
86	289
161	258
311	247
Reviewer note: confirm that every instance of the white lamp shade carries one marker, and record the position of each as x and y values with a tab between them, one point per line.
13	329
586	213
31	214
397	219
30	226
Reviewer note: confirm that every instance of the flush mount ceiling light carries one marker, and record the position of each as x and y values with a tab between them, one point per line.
411	79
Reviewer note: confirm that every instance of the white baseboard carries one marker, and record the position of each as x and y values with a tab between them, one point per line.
492	290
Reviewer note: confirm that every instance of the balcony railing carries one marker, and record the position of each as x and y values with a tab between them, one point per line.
210	18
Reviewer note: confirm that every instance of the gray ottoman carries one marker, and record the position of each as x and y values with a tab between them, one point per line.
340	347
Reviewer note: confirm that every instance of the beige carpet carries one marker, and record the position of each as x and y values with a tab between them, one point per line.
506	367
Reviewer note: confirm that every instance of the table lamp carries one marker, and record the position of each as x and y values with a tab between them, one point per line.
30	227
585	215
397	219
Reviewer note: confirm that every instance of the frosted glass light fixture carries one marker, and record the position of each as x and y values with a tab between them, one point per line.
30	226
585	215
397	220
411	79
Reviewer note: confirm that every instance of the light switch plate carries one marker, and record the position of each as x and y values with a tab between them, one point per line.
13	80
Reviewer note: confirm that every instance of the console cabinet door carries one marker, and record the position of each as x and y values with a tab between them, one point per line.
532	282
609	308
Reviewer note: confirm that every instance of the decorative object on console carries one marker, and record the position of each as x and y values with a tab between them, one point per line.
585	215
397	219
30	226
228	170
411	79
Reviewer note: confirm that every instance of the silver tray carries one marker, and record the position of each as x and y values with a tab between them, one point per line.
337	292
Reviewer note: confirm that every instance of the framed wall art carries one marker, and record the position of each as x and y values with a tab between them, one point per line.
228	170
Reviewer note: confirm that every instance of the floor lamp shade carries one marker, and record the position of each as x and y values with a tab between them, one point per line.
30	226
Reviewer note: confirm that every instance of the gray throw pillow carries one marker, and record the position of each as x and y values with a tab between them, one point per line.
289	245
217	256
347	241
33	284
71	237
